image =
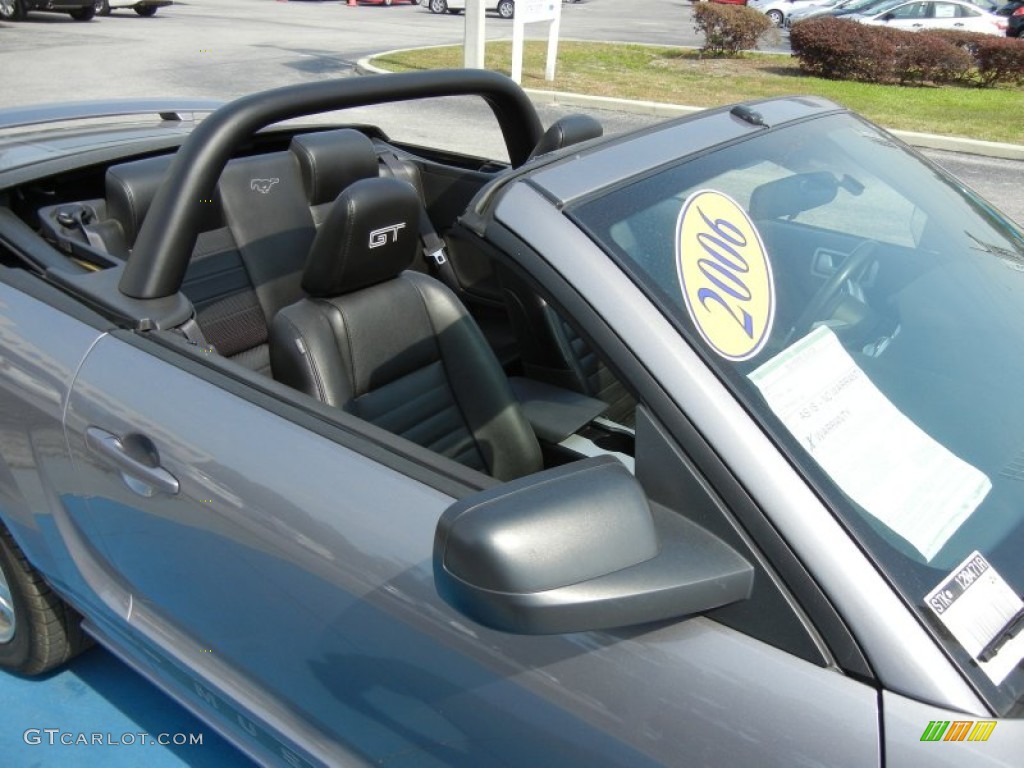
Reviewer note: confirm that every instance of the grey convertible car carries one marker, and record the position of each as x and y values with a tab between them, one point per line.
695	446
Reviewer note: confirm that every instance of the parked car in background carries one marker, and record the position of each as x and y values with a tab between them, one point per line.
920	15
1014	13
778	10
504	8
819	8
15	10
141	7
863	7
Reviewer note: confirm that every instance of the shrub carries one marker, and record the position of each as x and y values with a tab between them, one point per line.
927	58
1000	60
729	29
840	49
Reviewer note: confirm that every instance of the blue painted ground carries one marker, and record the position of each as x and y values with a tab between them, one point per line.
98	694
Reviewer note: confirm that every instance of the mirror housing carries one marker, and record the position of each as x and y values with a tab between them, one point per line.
579	548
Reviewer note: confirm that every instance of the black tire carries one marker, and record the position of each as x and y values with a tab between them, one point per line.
387	2
47	632
146	10
506	9
11	10
775	17
102	7
83	14
438	6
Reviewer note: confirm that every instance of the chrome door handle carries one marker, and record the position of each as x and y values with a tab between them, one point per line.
147	476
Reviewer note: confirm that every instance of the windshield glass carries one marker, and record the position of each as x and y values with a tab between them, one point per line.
869	311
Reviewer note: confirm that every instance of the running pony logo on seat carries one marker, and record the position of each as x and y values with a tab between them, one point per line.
262	185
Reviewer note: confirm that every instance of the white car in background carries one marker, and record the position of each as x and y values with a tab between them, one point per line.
505	8
937	14
779	10
141	7
810	10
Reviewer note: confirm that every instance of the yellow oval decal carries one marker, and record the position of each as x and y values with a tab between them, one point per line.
725	275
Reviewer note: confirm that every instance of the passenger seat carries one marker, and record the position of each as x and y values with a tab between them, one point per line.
396	347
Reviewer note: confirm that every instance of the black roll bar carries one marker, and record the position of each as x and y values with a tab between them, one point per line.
168	234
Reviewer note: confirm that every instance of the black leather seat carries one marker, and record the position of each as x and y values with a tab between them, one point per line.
394	346
260	223
551	349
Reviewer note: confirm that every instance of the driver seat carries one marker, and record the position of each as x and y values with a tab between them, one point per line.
396	347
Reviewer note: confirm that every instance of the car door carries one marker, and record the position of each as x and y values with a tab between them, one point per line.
285	588
912	16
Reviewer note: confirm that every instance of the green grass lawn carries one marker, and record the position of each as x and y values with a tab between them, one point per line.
681	76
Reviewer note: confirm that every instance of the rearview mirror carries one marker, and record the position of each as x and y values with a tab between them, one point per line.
800	192
579	548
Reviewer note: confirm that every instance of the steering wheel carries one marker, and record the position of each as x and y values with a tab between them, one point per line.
857	263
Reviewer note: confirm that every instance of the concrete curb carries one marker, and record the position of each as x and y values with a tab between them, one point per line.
965	146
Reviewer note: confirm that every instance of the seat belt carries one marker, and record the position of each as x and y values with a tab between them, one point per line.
435	251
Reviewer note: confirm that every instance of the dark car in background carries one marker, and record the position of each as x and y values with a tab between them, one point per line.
15	10
1014	11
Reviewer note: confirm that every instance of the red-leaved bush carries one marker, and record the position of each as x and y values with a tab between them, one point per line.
729	29
840	49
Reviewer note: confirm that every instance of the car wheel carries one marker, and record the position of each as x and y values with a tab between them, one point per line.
145	10
11	10
776	17
102	7
83	14
506	9
38	630
438	6
387	2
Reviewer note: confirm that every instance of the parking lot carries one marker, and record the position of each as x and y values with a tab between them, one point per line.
223	49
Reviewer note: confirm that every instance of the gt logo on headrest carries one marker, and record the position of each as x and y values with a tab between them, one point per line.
262	185
379	237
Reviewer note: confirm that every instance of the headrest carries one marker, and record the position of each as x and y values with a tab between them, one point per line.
131	187
370	235
571	129
332	160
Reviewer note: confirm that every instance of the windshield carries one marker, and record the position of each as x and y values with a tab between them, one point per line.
869	311
869	6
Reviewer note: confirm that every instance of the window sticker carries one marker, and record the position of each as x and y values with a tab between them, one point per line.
983	613
873	452
725	275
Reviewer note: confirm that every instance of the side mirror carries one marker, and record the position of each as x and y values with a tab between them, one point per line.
579	548
889	17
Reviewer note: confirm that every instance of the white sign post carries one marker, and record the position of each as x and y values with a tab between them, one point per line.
473	48
528	12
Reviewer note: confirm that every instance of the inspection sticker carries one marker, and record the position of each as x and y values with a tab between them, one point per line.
977	605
